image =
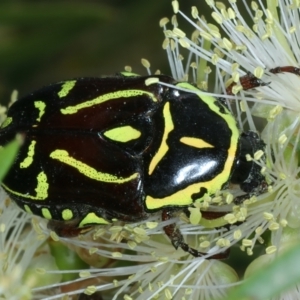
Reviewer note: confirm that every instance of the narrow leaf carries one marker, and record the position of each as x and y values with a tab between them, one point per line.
279	276
7	156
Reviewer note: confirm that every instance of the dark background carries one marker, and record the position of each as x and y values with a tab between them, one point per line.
47	41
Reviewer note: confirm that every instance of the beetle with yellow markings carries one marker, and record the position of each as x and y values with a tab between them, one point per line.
124	147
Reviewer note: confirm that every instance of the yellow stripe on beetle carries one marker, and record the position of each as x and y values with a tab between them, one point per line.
163	148
123	134
106	97
40	105
30	154
66	88
195	142
42	186
88	171
184	197
41	189
92	218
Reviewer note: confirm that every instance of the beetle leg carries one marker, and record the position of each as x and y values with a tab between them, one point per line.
262	188
249	81
177	240
175	235
67	229
286	69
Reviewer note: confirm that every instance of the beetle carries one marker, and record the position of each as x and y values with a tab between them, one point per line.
124	147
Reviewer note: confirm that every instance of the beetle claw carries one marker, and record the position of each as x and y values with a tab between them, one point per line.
177	240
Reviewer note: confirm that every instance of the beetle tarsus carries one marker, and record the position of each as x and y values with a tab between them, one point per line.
65	229
177	240
286	69
249	81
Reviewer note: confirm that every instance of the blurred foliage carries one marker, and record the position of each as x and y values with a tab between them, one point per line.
48	41
271	280
7	156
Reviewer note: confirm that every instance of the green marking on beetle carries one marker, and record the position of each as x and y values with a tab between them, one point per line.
123	134
183	197
88	171
107	97
92	218
6	122
29	159
40	105
195	142
67	214
41	189
46	213
66	88
27	209
163	148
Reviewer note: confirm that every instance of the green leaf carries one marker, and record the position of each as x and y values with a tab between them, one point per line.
7	156
66	260
280	275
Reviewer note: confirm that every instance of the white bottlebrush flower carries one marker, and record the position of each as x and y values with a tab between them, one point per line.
21	254
143	266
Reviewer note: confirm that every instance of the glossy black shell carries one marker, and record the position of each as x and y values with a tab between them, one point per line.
76	187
